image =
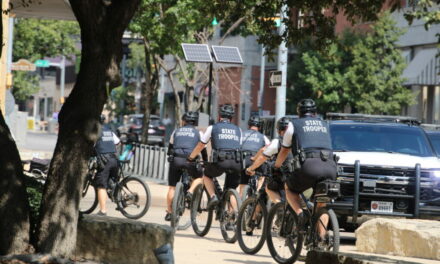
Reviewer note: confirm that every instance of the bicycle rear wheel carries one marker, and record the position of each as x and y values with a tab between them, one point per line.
251	233
133	197
180	217
283	240
330	241
201	216
89	197
231	203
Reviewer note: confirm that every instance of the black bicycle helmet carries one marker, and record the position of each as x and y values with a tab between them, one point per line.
282	123
306	107
191	118
255	121
227	111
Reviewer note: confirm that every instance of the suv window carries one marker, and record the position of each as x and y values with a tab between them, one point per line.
361	137
435	140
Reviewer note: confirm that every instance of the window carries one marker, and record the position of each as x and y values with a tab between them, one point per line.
377	138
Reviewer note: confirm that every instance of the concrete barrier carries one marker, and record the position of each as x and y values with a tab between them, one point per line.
120	241
401	237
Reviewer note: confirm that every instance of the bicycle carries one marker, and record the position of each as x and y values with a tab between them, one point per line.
225	212
131	195
180	204
251	221
251	188
285	238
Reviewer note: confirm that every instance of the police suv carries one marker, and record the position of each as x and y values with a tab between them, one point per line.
386	167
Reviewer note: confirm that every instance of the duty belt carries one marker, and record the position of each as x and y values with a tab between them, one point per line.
323	154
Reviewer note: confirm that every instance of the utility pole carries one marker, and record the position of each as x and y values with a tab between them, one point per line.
63	78
280	109
262	70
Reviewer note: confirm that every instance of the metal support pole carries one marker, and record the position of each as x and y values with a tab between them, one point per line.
210	90
280	109
262	70
10	44
417	192
357	176
63	78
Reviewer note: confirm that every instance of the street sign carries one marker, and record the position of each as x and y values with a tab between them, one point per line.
42	63
23	65
275	78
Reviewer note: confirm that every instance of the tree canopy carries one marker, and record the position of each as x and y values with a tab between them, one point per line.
362	71
36	39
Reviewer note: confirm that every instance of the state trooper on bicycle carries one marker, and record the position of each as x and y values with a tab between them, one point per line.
275	178
226	157
182	142
105	149
252	142
308	137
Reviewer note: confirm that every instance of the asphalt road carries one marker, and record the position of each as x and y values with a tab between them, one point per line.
188	247
39	141
191	249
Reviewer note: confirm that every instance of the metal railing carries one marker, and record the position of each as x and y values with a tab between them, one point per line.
149	161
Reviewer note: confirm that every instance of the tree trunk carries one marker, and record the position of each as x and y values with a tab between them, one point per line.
14	204
148	90
177	106
102	27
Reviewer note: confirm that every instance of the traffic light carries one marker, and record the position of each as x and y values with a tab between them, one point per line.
214	22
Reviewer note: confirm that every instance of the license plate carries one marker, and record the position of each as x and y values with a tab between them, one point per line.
381	207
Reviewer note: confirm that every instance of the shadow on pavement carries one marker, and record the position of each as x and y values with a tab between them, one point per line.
379	259
345	240
240	253
195	236
246	261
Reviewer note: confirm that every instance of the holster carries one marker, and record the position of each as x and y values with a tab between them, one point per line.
325	155
296	163
221	156
238	155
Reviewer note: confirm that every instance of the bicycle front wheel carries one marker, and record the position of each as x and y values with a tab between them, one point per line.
231	203
283	239
326	230
133	197
89	198
250	225
201	216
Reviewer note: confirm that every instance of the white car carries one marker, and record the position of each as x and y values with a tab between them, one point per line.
385	168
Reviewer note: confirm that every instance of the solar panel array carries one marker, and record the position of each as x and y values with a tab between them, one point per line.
197	52
227	54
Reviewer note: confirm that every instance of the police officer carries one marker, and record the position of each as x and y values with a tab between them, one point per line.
276	178
182	142
226	157
105	149
309	139
252	142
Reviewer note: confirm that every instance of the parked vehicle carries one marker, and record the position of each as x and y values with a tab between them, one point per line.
386	166
156	131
